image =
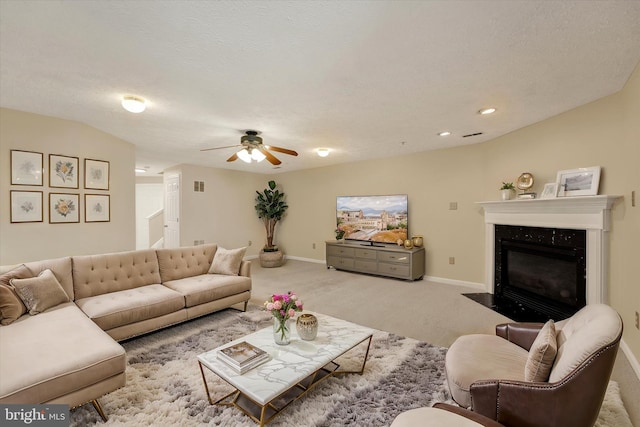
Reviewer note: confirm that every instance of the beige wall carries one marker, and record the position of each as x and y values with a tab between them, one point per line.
32	241
224	212
603	133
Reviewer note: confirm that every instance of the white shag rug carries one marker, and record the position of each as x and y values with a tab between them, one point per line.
164	385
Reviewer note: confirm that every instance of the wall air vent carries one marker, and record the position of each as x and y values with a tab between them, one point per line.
472	134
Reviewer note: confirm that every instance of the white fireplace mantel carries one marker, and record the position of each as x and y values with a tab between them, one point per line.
590	213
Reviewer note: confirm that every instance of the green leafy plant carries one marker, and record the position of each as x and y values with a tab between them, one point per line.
270	206
507	186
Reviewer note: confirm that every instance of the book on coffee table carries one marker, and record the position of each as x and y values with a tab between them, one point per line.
242	356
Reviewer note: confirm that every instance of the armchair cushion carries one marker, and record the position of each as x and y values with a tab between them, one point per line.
542	354
475	357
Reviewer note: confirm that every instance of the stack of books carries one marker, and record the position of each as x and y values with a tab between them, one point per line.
242	356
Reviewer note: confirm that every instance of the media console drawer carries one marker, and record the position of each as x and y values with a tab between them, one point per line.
365	253
340	251
388	260
394	257
393	269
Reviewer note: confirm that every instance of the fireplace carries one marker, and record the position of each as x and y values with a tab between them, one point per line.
574	247
541	269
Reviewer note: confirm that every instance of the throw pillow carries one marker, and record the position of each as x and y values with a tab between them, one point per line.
11	306
40	293
542	354
227	261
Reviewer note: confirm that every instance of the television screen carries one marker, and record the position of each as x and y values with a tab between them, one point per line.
380	219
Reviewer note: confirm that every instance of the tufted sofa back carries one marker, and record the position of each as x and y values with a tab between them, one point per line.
101	274
179	263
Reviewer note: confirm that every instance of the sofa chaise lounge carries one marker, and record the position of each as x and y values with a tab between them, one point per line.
68	352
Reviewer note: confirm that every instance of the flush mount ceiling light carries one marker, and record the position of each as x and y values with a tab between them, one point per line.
487	111
323	152
133	104
140	170
445	133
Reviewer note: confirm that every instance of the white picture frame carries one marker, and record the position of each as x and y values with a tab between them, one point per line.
97	208
96	174
26	168
26	206
578	182
63	171
550	191
64	208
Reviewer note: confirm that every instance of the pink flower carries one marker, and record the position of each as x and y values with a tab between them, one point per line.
299	304
282	313
277	305
292	312
269	306
277	297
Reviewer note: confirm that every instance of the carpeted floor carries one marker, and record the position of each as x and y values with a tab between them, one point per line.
164	384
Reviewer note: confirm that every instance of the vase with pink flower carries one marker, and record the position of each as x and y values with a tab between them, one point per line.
283	307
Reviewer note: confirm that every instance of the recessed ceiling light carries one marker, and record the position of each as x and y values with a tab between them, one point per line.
140	170
445	133
323	152
487	110
133	104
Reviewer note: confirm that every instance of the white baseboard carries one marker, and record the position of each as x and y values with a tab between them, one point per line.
631	358
298	258
480	286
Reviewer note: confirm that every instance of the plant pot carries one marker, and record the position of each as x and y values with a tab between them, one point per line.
271	259
506	194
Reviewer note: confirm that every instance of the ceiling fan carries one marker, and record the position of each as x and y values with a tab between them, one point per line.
254	149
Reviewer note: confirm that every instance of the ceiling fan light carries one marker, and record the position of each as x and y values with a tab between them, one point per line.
257	155
133	104
323	152
244	155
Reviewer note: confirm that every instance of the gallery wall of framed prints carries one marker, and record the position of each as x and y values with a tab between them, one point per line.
62	199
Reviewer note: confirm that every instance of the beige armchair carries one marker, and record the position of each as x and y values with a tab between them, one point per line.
488	374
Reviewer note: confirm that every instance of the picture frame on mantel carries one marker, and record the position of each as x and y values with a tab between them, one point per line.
578	182
550	191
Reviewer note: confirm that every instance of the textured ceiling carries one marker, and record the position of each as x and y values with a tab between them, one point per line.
366	79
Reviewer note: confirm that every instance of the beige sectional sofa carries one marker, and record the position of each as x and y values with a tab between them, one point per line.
68	353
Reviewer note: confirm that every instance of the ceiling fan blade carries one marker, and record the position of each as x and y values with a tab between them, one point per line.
282	150
233	158
220	148
272	159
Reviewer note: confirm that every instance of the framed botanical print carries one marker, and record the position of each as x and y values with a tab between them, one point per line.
96	174
64	208
26	206
97	208
63	171
26	168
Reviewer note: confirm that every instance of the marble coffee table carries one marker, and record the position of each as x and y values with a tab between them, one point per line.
292	370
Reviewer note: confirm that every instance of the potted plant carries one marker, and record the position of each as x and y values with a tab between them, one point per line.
506	191
270	206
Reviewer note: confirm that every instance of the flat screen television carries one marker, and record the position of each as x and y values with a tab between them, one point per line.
372	219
